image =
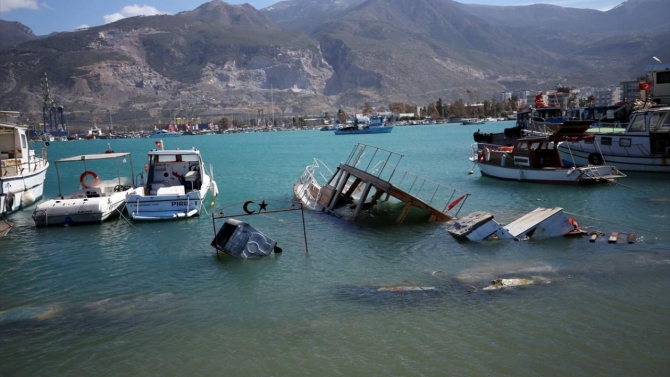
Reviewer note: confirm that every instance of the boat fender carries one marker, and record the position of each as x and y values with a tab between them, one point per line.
214	189
146	168
27	198
570	171
9	201
82	179
595	159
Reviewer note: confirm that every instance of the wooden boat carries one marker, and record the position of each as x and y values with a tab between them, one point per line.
537	159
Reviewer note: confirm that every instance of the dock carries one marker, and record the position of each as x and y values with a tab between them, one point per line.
369	168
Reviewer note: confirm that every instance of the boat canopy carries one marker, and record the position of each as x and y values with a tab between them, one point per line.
99	156
173	152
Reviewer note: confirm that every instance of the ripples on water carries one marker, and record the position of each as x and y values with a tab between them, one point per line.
153	299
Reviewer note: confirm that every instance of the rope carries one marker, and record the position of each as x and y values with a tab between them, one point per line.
125	218
615	223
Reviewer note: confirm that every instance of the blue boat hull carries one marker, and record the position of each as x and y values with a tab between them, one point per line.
370	130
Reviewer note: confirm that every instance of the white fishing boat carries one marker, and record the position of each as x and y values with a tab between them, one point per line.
160	134
176	186
537	159
22	171
644	145
95	200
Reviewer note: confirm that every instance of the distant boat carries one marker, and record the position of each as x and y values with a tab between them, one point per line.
159	134
376	125
94	133
22	172
473	121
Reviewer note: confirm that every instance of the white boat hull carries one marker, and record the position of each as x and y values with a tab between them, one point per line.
626	159
570	176
21	191
78	211
166	206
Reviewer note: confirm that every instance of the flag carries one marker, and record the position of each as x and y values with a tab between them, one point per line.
159	144
453	204
646	86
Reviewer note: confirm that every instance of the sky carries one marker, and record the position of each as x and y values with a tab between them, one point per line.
48	16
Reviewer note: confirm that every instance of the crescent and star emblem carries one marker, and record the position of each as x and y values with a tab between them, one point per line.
261	207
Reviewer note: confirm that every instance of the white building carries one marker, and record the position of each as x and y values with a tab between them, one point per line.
607	96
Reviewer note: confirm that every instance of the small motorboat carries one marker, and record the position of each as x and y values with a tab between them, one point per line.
94	201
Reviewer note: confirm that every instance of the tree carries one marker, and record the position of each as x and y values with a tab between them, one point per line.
440	108
367	108
341	116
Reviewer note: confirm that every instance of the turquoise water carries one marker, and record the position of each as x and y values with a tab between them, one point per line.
122	298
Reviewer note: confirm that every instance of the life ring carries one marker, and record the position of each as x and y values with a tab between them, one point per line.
595	159
82	179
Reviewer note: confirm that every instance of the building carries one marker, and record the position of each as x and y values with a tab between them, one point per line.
607	96
629	90
501	97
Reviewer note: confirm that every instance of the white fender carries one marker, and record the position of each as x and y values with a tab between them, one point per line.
27	198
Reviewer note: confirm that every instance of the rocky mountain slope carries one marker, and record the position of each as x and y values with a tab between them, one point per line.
308	56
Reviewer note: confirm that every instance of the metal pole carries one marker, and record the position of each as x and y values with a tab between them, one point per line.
304	229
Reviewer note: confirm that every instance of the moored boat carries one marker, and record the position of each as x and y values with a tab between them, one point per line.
22	171
376	125
94	201
176	186
644	145
537	159
159	134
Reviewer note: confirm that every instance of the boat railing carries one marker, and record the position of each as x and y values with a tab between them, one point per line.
312	182
365	157
608	127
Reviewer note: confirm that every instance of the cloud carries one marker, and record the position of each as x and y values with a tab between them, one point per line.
83	26
46	6
8	5
132	11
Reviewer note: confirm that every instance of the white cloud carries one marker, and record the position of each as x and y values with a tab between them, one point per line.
132	11
46	6
8	5
83	26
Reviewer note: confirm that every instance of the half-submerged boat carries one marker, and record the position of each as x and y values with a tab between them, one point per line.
377	125
22	172
176	186
537	159
644	145
94	201
542	222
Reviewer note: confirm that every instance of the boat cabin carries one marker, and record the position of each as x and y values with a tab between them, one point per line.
652	122
173	172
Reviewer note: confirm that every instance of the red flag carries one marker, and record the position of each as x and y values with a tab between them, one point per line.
646	86
159	144
453	204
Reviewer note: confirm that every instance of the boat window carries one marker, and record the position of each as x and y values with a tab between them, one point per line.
606	141
189	157
534	146
655	121
637	124
167	158
665	123
625	142
663	78
521	147
24	143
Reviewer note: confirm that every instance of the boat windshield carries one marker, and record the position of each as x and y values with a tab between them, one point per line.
637	124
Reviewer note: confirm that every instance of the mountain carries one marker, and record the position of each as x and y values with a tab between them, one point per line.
309	56
14	33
